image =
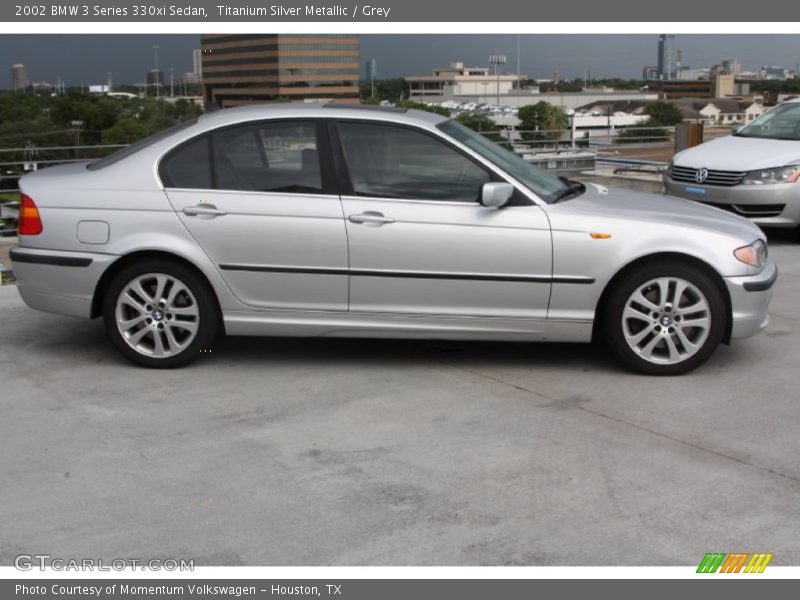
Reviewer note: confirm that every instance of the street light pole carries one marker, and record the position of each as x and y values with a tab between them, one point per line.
497	59
155	71
171	85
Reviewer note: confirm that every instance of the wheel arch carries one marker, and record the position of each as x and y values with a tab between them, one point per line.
138	255
677	257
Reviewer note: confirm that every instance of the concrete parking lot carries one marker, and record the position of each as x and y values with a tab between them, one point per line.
307	452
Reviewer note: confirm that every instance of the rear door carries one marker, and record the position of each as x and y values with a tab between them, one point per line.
266	211
420	243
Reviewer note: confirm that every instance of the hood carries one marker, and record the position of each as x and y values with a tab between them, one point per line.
735	153
656	209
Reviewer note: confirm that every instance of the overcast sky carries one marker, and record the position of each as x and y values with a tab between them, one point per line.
86	58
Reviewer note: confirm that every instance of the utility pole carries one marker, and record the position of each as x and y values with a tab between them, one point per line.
171	88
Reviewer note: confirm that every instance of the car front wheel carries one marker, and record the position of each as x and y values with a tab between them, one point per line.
665	319
159	314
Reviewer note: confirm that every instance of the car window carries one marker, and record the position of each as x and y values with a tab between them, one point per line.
387	161
189	166
270	157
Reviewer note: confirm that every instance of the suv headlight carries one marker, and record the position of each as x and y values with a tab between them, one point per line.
754	254
788	174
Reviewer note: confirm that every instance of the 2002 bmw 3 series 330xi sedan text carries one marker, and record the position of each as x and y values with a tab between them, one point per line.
312	220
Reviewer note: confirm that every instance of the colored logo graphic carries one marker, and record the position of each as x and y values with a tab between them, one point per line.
736	562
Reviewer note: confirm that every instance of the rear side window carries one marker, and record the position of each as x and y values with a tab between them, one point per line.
268	157
189	166
387	161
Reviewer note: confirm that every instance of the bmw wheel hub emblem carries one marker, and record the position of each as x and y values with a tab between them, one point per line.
701	175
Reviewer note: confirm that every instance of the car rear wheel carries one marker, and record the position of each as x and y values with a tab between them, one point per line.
160	314
665	318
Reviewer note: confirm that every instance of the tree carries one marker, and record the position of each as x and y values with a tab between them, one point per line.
663	113
482	124
537	121
125	131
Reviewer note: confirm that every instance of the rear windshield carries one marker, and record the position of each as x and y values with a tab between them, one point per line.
140	145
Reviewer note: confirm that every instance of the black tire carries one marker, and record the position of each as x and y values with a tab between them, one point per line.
617	300
208	321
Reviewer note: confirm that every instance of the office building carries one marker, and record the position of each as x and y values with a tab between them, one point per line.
733	66
251	68
458	80
197	63
665	44
19	77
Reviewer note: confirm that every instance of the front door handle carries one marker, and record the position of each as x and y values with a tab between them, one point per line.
203	210
370	218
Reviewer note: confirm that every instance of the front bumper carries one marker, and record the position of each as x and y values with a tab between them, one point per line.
750	296
56	281
775	205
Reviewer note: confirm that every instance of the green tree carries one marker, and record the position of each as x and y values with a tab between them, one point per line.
537	121
663	113
125	131
482	124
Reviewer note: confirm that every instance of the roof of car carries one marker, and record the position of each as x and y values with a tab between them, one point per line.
253	112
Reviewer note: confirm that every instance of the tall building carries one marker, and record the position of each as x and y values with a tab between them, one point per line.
665	55
197	62
19	77
732	66
251	68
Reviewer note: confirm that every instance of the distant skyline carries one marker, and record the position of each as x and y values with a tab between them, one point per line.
85	59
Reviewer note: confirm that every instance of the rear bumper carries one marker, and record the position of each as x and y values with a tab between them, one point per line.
56	281
750	297
768	205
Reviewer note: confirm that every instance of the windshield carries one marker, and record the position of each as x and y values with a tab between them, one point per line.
780	123
545	185
140	145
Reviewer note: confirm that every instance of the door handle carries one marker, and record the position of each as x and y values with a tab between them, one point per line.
370	218
203	210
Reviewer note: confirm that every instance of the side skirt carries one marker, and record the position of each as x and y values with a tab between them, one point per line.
379	325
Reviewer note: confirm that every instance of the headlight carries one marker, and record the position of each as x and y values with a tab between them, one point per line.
788	174
754	254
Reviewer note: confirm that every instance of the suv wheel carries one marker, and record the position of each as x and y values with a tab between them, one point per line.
159	314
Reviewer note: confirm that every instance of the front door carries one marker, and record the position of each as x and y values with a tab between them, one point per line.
265	212
420	242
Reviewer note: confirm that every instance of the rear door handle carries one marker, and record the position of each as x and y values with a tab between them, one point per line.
203	210
370	218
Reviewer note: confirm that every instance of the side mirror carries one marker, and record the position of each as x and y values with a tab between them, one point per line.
496	194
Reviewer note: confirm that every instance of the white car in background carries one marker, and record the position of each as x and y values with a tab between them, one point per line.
754	173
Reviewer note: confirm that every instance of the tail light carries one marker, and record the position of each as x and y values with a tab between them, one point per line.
30	223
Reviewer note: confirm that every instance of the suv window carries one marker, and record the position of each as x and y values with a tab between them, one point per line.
268	157
388	161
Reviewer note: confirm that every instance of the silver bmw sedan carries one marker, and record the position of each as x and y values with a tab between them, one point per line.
330	220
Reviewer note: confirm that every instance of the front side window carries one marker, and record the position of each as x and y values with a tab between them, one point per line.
387	161
546	185
268	157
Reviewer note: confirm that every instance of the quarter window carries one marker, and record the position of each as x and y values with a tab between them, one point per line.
271	157
387	161
188	166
